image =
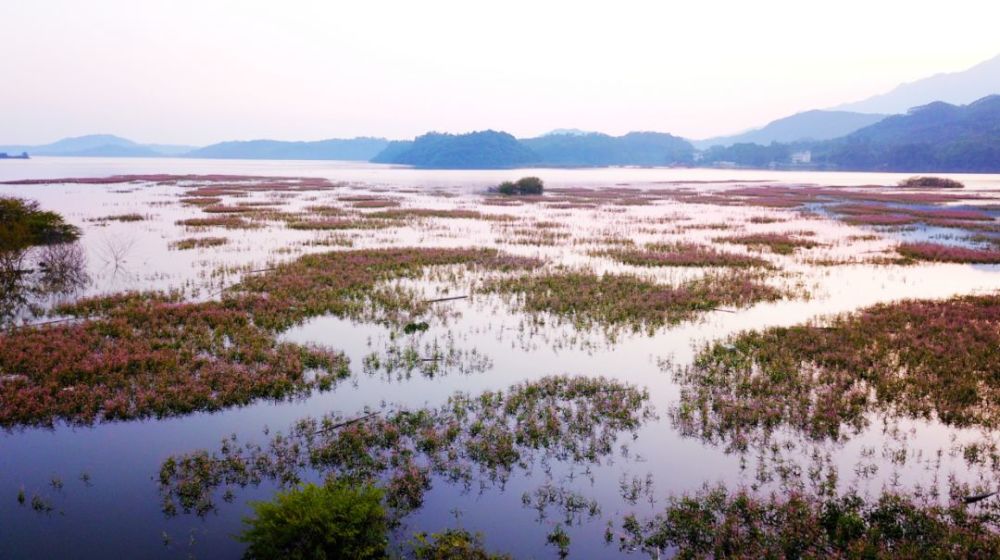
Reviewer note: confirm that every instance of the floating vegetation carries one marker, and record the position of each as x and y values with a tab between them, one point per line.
222	209
198	243
455	213
201	200
228	222
133	217
937	252
779	243
680	254
718	523
587	299
575	419
880	219
918	358
353	222
411	328
399	362
376	203
574	506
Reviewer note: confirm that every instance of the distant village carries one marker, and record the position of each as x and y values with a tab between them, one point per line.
5	155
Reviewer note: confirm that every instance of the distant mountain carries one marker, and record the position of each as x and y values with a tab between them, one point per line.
171	149
810	125
567	131
356	149
487	149
95	145
959	88
392	152
934	137
598	150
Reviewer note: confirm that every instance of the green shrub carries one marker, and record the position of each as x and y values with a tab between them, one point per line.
523	186
25	224
507	187
931	183
333	521
453	544
530	185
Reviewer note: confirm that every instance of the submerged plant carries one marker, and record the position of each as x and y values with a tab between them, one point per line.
573	419
718	523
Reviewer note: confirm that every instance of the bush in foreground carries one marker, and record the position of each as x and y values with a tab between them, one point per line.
319	522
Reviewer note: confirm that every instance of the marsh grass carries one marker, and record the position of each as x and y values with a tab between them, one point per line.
915	358
615	300
198	243
680	254
778	243
937	252
136	355
718	523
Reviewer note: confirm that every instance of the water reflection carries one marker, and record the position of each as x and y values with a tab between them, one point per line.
32	278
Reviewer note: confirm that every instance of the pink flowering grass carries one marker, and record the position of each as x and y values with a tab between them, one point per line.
880	219
136	355
937	252
613	300
920	358
227	222
198	243
681	254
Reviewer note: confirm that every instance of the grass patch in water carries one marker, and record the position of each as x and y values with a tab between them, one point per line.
680	254
612	300
917	358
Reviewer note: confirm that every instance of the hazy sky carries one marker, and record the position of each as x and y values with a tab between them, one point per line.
196	72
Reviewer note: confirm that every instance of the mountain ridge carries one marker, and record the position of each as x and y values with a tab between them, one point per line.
957	88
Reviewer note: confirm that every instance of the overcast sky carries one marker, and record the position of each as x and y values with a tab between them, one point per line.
196	72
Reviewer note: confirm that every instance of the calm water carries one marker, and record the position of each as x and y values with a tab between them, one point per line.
118	512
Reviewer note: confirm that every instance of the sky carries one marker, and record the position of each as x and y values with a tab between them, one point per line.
197	72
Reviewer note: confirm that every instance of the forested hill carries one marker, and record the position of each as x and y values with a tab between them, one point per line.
357	149
934	137
599	150
492	149
487	149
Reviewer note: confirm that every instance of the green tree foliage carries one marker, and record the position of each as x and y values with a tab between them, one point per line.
594	149
25	224
313	522
487	149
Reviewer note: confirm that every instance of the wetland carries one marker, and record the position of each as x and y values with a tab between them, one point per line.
628	363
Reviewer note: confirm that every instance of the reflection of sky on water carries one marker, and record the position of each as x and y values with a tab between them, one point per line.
120	512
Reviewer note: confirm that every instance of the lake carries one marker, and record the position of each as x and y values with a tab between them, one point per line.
101	482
